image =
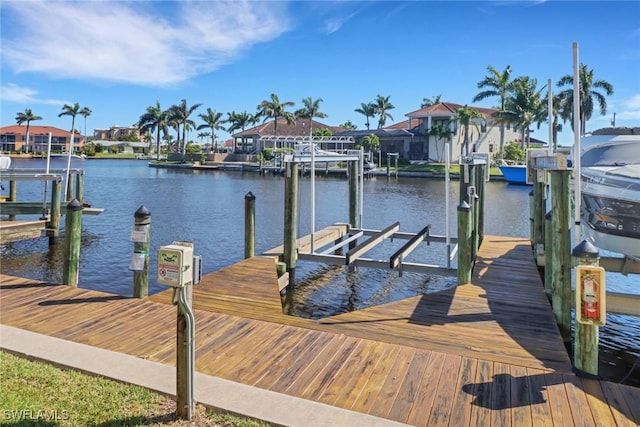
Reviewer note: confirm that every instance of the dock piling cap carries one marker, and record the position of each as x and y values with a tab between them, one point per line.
142	212
585	249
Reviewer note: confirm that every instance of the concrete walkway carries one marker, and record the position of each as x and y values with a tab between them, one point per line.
216	393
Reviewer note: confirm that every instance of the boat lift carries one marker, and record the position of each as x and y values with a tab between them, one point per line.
354	256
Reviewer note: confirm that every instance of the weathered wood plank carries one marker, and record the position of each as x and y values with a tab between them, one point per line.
463	393
422	408
442	399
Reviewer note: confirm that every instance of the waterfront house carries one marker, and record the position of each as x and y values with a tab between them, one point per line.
414	140
13	138
250	140
116	133
127	147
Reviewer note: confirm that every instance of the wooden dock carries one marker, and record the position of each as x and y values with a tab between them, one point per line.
485	353
14	231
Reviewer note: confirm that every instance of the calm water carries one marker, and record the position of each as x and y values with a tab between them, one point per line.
207	208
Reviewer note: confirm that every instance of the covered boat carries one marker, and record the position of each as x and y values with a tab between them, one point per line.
610	181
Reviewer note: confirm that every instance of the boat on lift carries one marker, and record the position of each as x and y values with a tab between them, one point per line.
610	189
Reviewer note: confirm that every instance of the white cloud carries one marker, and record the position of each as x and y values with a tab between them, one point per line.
149	43
334	24
14	93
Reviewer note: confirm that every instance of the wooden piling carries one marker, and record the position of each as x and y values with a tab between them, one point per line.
585	354
290	219
465	262
249	225
13	195
80	186
548	258
69	187
481	202
354	193
561	250
53	227
72	239
142	230
531	215
539	210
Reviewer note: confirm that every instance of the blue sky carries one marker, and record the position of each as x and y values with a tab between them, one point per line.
118	58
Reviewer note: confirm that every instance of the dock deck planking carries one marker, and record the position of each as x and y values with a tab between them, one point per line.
437	382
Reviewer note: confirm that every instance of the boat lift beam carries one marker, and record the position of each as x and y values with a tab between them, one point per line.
410	246
380	264
365	246
342	243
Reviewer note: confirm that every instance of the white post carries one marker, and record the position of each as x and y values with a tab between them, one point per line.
551	120
313	188
361	186
66	181
576	144
447	186
48	154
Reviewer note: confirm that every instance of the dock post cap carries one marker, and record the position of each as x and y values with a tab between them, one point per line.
464	206
142	212
249	195
585	249
74	205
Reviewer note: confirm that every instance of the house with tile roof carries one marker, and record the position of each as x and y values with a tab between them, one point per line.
13	138
250	140
411	138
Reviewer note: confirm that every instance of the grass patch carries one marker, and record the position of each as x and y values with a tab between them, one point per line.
38	394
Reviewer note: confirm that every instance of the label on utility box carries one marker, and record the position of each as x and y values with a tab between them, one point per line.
170	267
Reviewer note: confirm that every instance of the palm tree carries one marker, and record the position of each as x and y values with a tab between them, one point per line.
428	102
240	121
212	121
496	84
587	96
180	115
382	106
465	116
275	109
525	106
73	111
439	132
310	110
348	125
367	110
85	112
27	117
155	120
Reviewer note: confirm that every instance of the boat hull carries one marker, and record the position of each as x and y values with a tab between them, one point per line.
514	174
610	190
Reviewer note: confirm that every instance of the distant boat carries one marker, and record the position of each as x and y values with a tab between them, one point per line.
73	156
514	174
610	177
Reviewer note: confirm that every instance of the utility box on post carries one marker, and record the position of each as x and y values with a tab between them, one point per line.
175	264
